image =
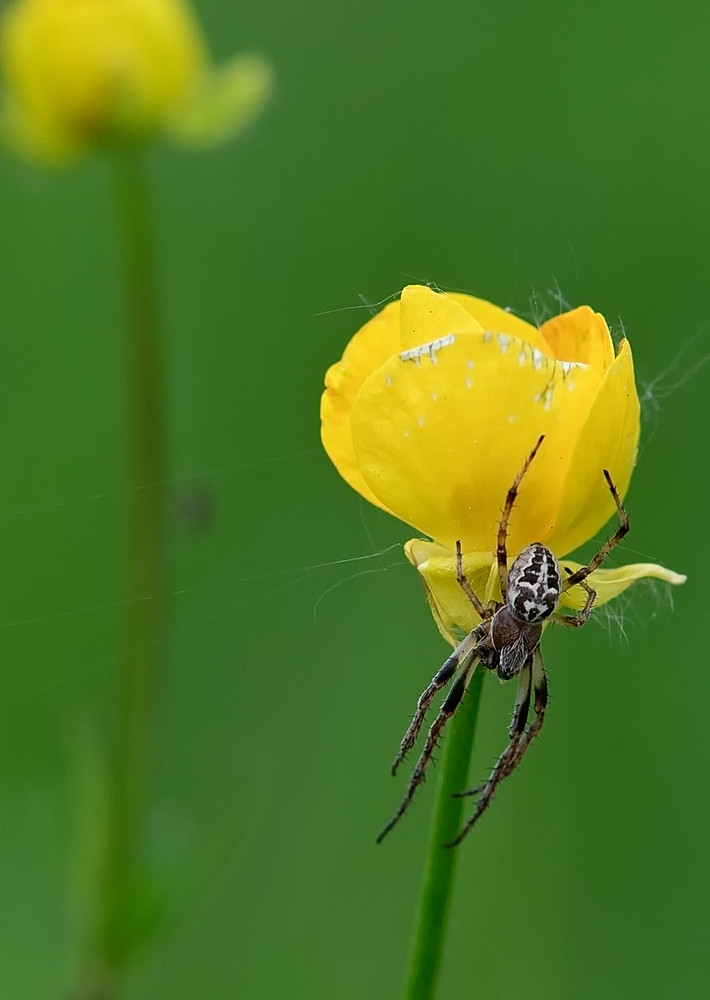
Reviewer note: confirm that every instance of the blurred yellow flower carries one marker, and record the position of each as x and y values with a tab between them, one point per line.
81	74
439	399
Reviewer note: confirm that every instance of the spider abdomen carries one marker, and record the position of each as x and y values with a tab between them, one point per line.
534	584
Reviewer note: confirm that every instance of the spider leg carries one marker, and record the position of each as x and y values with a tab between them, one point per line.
468	590
511	496
574	621
517	723
449	706
519	743
459	656
584	571
522	702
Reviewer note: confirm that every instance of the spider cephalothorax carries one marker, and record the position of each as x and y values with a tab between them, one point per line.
507	641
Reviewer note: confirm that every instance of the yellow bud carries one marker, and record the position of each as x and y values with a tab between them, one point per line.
82	74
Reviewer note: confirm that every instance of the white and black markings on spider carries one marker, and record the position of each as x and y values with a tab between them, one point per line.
508	642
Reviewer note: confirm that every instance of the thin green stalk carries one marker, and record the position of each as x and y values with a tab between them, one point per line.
440	866
130	761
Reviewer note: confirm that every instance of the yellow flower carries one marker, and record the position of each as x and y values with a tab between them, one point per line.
437	402
87	73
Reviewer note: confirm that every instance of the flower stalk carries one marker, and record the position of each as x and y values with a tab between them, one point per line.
440	865
130	759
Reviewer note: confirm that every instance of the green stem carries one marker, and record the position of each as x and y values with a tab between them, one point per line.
132	750
432	917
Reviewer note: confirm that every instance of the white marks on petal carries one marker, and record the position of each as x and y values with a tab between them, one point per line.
434	396
429	350
504	342
537	359
421	421
469	383
388	379
522	357
511	418
570	385
545	397
469	364
487	337
406	433
568	366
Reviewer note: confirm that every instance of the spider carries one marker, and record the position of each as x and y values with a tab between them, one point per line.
507	641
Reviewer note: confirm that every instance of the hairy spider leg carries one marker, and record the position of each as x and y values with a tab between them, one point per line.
517	723
584	571
574	621
522	701
502	543
460	655
519	743
448	707
479	607
539	680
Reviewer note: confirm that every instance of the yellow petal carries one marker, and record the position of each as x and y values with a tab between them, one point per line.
440	434
608	583
376	341
608	440
427	315
497	320
224	102
452	610
580	335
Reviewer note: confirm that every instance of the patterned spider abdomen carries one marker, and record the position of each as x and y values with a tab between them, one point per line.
534	584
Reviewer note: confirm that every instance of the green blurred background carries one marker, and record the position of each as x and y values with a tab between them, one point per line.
502	149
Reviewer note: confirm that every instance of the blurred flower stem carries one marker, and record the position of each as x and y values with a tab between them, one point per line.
131	763
440	866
